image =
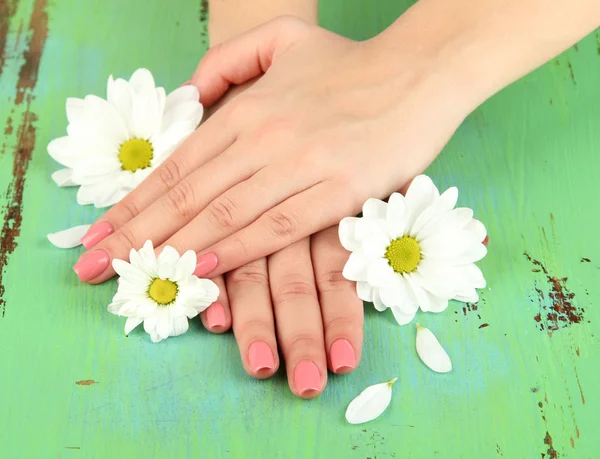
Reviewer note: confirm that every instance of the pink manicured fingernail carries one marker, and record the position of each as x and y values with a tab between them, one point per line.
215	316
342	356
91	265
96	233
307	377
260	356
205	264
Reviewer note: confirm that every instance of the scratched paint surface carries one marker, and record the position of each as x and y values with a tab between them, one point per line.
526	358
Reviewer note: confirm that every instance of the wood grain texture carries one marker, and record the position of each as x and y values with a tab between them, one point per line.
526	358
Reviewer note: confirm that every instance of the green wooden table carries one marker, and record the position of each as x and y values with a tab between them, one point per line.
526	358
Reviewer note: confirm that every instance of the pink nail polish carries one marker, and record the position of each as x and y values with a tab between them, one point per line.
342	356
215	316
205	264
486	240
91	265
96	233
260	356
307	377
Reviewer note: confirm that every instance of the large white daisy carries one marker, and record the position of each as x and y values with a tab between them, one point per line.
113	144
414	251
161	292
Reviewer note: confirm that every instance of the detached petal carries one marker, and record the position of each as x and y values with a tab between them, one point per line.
370	403
68	238
431	351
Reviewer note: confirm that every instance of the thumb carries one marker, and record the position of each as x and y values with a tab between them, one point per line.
246	56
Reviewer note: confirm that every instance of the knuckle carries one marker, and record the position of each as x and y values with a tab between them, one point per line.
283	225
304	342
295	289
333	281
221	213
169	173
180	199
125	239
250	274
130	207
253	327
339	324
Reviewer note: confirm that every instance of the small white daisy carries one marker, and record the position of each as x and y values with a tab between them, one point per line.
414	251
113	144
161	292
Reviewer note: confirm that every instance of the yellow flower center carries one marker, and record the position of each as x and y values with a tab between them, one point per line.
404	254
162	291
135	154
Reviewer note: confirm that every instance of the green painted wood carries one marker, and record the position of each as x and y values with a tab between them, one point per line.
526	161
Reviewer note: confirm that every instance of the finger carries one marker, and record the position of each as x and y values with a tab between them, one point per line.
217	317
244	57
252	315
301	215
298	318
341	308
210	139
237	207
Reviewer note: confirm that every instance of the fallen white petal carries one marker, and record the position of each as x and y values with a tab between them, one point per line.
370	403
63	177
431	351
68	238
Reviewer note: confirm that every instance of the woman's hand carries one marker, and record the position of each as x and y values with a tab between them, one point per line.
297	300
331	123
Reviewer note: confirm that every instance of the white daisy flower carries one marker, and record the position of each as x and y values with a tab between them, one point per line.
414	251
113	144
161	292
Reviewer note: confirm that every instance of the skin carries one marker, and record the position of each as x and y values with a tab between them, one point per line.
330	123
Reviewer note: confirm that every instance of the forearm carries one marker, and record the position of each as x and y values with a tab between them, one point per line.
481	46
228	18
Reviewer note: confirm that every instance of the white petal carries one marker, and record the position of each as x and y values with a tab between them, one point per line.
60	150
130	272
166	262
364	291
401	316
477	229
106	118
182	95
421	194
68	238
374	208
396	217
379	272
356	267
146	115
370	403
63	177
131	323
165	143
75	111
120	95
431	351
346	234
142	79
179	326
186	112
186	265
377	302
426	300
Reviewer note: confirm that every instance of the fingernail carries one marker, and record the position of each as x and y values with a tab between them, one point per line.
342	356
91	265
260	356
307	377
96	233
205	264
215	316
